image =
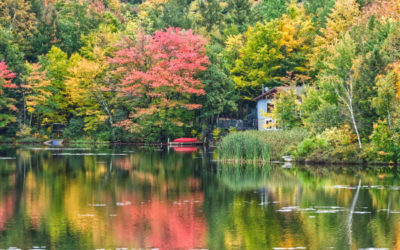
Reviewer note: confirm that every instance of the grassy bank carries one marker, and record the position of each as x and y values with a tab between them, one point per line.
332	146
259	146
244	147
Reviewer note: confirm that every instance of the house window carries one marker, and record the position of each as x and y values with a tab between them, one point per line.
270	124
270	107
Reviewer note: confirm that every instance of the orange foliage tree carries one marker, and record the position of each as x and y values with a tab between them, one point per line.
37	90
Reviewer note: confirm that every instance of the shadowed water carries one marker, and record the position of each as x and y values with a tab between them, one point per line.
129	197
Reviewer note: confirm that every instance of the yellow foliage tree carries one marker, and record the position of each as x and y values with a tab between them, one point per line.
88	92
344	15
37	88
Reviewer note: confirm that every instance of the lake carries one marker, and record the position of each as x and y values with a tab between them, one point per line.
127	197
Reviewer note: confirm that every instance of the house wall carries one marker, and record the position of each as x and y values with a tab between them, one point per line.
261	108
262	120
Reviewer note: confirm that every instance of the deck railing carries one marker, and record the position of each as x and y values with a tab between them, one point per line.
238	124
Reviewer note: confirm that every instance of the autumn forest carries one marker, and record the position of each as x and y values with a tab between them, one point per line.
145	71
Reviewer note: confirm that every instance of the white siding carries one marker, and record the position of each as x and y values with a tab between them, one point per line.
263	120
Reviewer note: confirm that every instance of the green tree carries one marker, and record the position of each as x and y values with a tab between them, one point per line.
211	14
320	10
287	108
338	79
56	64
268	10
317	112
239	14
45	38
10	52
385	101
174	13
17	17
75	18
273	49
221	96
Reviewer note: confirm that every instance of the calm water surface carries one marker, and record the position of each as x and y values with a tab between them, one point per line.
129	197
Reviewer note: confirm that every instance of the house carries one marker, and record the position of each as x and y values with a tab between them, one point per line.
247	120
265	104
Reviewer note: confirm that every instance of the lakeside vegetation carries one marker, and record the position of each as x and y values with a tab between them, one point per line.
146	71
259	147
333	145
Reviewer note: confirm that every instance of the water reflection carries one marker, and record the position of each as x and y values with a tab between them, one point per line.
100	199
127	197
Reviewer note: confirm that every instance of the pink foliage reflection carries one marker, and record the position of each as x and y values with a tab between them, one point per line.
164	224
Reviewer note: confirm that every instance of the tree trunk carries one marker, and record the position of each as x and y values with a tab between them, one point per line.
355	127
347	100
23	99
106	108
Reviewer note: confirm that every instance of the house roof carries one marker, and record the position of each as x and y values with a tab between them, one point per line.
272	92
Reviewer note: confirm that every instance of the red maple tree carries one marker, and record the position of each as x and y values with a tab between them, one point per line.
159	73
6	102
6	76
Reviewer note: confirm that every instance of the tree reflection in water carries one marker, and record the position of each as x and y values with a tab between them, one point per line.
130	197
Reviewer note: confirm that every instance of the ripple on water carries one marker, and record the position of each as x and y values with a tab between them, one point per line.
7	158
361	212
77	154
373	248
97	205
282	248
86	215
315	210
363	187
126	203
341	187
64	149
386	210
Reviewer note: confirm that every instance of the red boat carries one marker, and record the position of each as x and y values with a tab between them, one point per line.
185	140
185	149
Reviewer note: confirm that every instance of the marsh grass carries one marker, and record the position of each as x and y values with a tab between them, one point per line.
243	147
283	142
259	146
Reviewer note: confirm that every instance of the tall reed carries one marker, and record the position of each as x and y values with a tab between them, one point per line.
245	146
259	146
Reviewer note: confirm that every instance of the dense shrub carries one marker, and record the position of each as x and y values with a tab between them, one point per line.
332	145
384	145
24	131
308	146
26	134
74	129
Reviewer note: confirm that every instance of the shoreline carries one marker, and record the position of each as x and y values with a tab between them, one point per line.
102	143
226	161
311	163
